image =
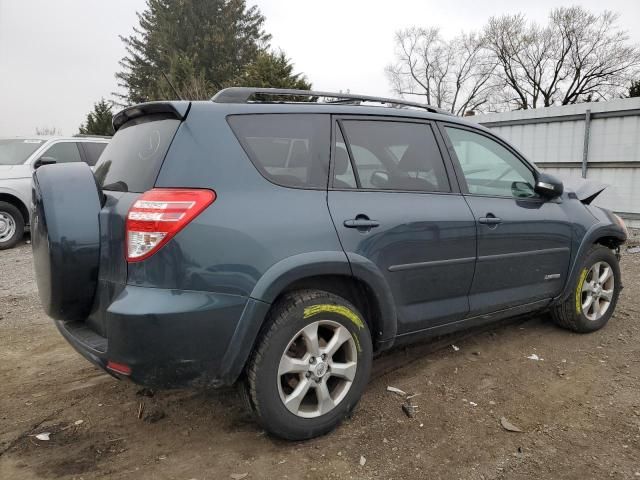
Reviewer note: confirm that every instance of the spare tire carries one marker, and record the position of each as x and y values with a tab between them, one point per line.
65	238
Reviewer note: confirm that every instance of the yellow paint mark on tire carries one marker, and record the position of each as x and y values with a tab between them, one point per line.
581	280
339	309
355	339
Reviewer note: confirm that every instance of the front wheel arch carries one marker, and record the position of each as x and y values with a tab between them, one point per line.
608	235
19	204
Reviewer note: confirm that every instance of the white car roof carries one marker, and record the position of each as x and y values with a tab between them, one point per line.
46	138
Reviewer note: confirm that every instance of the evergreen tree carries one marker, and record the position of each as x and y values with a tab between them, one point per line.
200	45
272	70
99	120
634	89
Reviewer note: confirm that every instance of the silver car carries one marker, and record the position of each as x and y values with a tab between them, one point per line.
19	157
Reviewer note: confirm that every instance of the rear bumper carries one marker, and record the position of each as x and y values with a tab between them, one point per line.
172	338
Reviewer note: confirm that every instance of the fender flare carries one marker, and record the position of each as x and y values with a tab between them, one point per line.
595	232
297	267
304	265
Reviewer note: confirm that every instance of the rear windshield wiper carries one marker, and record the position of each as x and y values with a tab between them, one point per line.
119	186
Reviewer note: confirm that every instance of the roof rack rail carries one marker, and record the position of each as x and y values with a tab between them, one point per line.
88	135
244	94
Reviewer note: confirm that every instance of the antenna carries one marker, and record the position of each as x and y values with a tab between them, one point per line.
171	85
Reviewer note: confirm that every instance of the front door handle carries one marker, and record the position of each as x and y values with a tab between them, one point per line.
361	222
490	219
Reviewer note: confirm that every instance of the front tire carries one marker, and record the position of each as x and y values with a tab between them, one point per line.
11	226
595	293
311	365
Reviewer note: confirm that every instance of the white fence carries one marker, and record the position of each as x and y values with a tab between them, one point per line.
598	141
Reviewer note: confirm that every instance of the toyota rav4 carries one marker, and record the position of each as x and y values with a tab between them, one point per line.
283	238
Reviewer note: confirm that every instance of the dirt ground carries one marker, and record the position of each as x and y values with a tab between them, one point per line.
578	407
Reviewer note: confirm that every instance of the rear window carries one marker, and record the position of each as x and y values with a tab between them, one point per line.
133	158
288	149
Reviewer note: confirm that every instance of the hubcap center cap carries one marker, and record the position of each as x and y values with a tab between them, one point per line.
321	369
3	225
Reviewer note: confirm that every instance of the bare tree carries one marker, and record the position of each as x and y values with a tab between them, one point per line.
455	75
48	131
575	57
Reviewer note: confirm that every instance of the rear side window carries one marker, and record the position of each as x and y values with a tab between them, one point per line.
92	151
288	149
395	156
133	158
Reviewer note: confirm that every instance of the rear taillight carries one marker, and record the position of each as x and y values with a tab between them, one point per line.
158	215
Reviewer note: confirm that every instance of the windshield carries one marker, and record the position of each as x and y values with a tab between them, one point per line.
16	151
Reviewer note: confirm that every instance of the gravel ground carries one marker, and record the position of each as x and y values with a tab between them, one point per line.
578	407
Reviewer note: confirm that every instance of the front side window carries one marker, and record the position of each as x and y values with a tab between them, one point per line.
489	168
288	149
63	152
395	156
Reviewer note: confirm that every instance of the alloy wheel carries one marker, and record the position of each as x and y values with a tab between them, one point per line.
597	290
317	369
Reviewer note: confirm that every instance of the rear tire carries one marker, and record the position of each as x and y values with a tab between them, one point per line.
300	388
11	226
594	294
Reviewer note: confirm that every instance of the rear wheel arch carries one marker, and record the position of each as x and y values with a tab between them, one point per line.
355	279
352	289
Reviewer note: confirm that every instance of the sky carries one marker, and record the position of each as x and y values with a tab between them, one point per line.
58	57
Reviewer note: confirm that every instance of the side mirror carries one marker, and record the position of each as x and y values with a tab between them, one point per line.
44	161
379	179
548	186
522	190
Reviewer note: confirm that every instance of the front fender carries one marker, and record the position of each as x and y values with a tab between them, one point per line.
606	227
19	188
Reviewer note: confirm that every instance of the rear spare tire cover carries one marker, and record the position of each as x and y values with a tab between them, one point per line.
65	238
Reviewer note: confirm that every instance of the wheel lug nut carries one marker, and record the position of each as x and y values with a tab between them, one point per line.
312	360
308	374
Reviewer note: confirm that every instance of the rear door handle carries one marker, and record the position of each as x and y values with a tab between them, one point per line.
490	220
361	222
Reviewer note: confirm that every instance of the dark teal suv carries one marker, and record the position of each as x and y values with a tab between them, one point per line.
282	238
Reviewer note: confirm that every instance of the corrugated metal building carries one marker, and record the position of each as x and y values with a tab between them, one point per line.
599	141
